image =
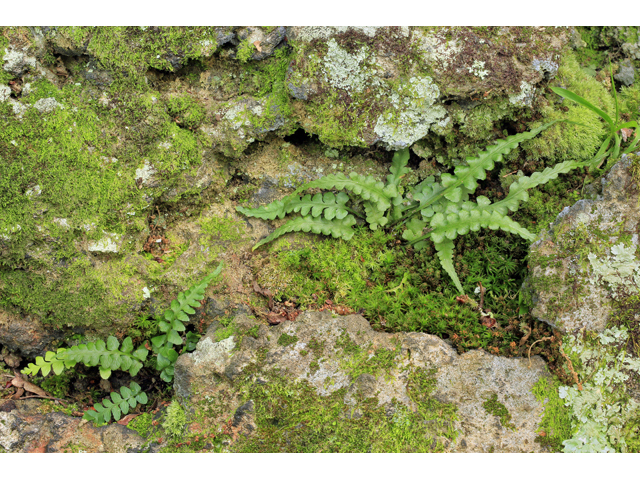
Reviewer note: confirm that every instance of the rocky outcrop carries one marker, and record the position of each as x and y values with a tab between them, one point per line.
587	257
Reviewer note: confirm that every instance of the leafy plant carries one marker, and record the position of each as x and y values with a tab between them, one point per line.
172	323
107	356
611	144
443	206
118	404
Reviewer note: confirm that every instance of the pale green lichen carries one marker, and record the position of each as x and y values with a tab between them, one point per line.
413	114
620	270
344	70
602	409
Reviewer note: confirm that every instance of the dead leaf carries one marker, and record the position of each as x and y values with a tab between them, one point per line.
127	418
488	321
28	386
257	45
462	299
274	318
626	133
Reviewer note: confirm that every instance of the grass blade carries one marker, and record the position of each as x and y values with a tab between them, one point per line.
585	103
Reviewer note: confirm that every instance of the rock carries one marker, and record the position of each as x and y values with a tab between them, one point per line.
24	429
18	62
360	86
26	335
320	352
568	285
626	74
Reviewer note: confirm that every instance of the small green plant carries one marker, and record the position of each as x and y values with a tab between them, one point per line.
175	420
107	356
117	405
172	322
444	209
611	144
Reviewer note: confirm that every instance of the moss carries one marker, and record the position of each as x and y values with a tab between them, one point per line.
245	50
185	111
285	340
130	51
555	426
493	407
294	418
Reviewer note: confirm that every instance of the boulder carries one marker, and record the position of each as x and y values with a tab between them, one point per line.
342	358
587	257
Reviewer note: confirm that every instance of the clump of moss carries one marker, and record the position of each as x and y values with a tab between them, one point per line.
186	112
555	426
285	340
493	407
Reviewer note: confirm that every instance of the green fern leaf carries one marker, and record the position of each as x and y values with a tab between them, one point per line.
117	405
366	187
336	228
444	250
398	167
375	217
518	189
466	177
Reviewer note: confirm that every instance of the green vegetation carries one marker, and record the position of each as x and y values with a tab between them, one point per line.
293	418
493	407
117	405
611	145
444	206
555	426
113	356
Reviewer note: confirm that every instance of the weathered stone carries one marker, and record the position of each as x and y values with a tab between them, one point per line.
565	290
26	335
467	381
24	429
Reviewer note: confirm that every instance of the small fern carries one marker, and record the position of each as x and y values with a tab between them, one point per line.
444	209
117	405
107	356
171	323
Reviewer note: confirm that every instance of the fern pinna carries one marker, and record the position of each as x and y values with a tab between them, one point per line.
432	210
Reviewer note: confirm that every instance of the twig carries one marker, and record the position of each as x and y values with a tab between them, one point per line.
41	396
575	375
531	346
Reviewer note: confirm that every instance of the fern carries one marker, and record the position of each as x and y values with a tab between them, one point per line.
444	209
171	323
117	405
107	356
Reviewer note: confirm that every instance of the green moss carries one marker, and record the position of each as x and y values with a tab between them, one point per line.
130	51
493	407
245	50
226	332
186	112
555	426
285	340
142	424
293	418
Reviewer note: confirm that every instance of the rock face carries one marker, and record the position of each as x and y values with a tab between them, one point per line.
587	257
343	356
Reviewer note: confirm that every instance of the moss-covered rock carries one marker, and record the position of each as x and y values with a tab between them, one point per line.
574	264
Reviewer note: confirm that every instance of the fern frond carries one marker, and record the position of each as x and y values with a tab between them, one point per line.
444	250
332	205
336	228
117	405
375	217
398	167
518	189
367	187
172	323
473	217
106	356
466	177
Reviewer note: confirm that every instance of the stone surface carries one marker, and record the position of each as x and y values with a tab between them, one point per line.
23	429
564	290
215	368
26	335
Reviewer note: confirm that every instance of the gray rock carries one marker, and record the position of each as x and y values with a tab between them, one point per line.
17	62
215	370
564	285
626	74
